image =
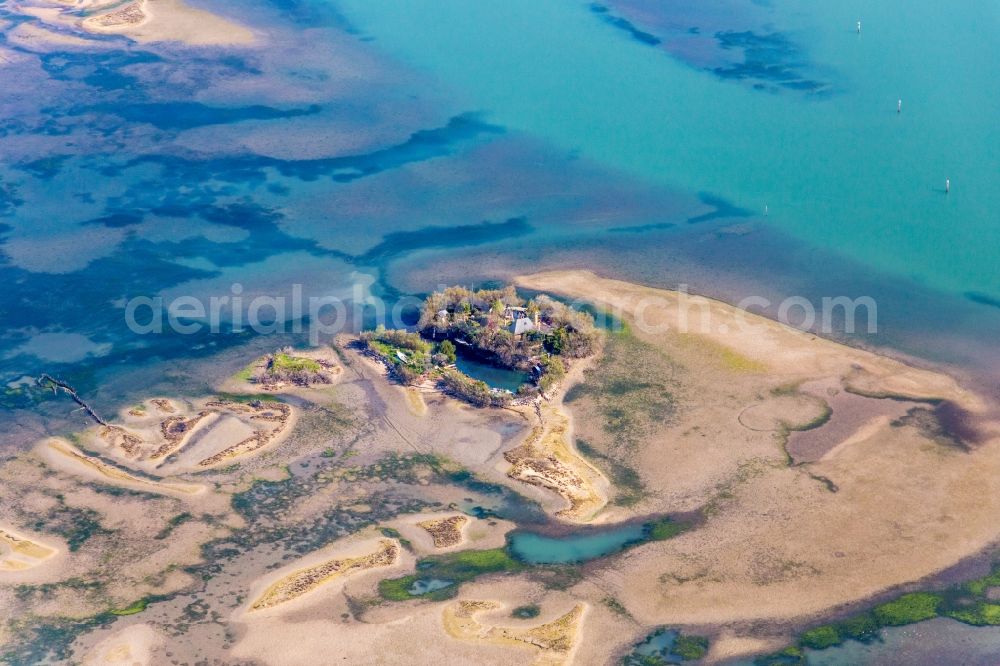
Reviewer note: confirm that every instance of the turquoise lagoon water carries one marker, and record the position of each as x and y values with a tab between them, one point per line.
853	190
845	171
579	547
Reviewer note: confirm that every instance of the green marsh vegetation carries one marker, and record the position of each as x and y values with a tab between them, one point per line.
631	392
285	366
285	362
42	640
617	607
456	568
464	566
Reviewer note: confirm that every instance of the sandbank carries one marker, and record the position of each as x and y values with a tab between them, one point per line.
19	553
351	560
132	646
548	459
553	641
169	20
64	455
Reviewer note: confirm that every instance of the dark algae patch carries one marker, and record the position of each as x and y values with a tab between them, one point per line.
627	26
944	423
526	612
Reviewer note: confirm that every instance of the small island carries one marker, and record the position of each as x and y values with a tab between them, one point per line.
287	367
537	337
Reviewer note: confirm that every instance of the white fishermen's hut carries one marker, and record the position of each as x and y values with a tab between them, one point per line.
522	325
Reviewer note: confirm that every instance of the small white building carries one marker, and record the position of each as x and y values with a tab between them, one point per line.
522	325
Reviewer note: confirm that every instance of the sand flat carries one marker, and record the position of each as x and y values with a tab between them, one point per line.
893	504
470	533
37	37
166	437
132	646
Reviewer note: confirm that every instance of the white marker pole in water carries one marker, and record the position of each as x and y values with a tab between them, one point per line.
947	185
859	27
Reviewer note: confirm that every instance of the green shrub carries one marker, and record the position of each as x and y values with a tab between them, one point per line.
981	614
553	371
821	638
690	648
400	338
472	390
448	349
908	609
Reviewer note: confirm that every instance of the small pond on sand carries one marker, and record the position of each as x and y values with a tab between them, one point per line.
576	547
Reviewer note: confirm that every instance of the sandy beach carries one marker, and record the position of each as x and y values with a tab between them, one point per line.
547	459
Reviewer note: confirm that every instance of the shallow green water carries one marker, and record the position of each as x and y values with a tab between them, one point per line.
430	585
844	171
